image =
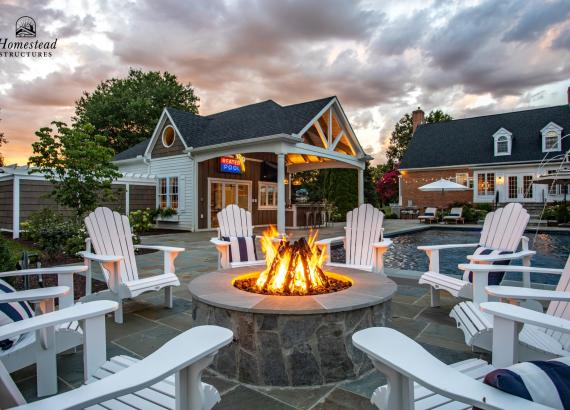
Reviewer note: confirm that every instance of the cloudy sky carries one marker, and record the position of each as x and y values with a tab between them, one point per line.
381	58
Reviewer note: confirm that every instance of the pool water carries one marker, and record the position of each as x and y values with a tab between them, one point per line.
552	250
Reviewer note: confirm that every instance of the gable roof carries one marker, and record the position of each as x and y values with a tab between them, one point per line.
251	121
469	141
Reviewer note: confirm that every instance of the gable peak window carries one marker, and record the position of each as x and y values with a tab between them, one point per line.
168	136
551	137
503	142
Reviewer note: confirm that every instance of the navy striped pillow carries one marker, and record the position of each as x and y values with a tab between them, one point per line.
495	278
544	382
12	312
242	248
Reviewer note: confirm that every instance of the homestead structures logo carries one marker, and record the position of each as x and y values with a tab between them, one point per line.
25	27
23	45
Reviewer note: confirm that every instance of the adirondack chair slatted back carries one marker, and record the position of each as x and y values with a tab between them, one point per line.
561	309
363	228
235	221
456	211
110	234
504	228
430	211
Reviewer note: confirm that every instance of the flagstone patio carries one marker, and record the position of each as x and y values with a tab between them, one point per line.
148	325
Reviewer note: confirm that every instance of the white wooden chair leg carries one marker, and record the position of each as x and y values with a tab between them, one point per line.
434	297
505	341
119	312
397	394
168	297
94	345
189	392
46	363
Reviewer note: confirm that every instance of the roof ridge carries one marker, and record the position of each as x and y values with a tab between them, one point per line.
311	101
496	114
243	106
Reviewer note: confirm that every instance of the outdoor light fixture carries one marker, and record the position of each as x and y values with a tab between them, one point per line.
500	180
297	181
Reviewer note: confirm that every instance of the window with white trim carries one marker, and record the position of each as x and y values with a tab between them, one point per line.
267	195
551	137
168	136
503	142
462	178
168	192
486	184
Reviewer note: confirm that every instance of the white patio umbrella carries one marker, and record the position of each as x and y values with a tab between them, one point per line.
442	185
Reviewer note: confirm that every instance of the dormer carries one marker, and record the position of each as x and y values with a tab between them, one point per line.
551	137
503	142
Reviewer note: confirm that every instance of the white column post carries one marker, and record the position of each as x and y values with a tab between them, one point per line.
16	208
360	186
281	193
127	199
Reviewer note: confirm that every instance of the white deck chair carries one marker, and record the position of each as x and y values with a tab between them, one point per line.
500	238
364	242
168	378
112	239
416	379
455	215
430	215
27	348
537	343
235	222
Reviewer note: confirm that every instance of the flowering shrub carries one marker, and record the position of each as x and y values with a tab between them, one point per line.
387	186
141	221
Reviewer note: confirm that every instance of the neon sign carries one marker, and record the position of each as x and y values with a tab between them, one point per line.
232	165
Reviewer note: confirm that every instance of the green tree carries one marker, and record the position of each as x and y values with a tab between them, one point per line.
126	109
77	161
370	194
402	135
3	141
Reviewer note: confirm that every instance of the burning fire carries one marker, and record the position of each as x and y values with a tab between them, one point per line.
293	269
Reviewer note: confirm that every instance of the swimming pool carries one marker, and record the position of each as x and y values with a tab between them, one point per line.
552	250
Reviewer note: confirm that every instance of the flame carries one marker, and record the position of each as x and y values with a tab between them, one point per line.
291	268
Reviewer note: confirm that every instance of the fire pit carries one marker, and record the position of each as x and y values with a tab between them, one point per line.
293	320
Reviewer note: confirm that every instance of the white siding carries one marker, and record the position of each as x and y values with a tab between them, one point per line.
138	167
182	167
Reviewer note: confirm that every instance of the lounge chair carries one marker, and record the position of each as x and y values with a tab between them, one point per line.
25	350
536	343
112	239
430	215
455	215
235	226
168	378
500	238
416	379
364	242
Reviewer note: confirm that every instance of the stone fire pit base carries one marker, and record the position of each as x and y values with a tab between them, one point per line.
291	340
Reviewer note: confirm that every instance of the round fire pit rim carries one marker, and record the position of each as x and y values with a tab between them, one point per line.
216	289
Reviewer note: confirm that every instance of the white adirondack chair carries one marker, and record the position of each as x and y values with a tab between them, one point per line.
455	215
537	343
502	231
36	348
168	378
430	215
364	242
111	237
416	379
233	221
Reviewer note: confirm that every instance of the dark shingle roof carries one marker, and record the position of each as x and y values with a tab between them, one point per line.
251	121
470	141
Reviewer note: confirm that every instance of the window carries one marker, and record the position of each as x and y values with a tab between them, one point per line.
267	195
486	184
503	142
168	136
551	137
168	192
462	178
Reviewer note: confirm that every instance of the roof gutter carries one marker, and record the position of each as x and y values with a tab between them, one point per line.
488	164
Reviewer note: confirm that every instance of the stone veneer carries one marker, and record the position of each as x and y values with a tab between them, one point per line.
291	340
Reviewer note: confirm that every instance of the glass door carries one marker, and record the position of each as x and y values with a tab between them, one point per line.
520	188
228	192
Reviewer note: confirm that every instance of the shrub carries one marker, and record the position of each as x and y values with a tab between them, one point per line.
141	221
7	260
55	235
557	211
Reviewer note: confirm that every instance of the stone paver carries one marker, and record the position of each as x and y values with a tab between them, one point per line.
148	325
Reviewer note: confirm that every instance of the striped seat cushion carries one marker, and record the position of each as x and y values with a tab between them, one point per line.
429	214
242	248
12	312
544	382
495	278
454	214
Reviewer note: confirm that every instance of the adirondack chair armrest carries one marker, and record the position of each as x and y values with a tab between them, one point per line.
34	295
386	243
477	267
199	345
522	315
504	257
450	246
101	258
328	241
219	242
170	254
515	292
80	311
384	346
56	270
161	248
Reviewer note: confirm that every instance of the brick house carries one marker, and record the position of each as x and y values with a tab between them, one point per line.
495	156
